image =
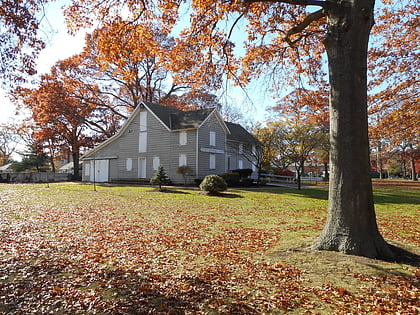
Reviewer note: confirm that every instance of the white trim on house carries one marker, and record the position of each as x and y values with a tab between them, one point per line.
98	157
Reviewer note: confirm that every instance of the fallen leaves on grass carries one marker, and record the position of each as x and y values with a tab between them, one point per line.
117	256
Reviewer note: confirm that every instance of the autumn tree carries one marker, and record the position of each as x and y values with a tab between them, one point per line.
20	42
311	108
289	37
59	117
291	142
131	60
192	100
300	140
394	90
272	148
106	117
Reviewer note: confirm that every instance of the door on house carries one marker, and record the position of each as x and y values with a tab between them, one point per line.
142	167
99	171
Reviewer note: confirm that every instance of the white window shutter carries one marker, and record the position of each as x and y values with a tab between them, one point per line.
182	160
129	164
143	121
213	138
143	142
212	161
156	163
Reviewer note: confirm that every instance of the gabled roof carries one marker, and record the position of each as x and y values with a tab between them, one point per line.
175	119
239	134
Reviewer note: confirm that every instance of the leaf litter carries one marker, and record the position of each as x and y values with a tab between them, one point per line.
118	256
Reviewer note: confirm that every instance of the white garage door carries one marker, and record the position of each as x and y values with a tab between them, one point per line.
99	170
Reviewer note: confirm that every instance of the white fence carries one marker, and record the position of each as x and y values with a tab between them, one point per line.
272	179
42	177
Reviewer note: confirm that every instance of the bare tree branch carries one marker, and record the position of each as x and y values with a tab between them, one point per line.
302	25
296	2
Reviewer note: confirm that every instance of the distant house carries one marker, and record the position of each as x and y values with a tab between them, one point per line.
6	168
69	167
157	135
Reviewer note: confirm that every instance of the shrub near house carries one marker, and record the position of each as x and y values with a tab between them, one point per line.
213	184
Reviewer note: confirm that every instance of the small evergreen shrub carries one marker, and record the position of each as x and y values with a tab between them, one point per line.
160	178
213	184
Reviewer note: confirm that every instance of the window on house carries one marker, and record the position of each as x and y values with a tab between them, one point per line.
143	121
129	164
240	164
241	148
142	141
182	160
213	138
183	138
212	162
156	163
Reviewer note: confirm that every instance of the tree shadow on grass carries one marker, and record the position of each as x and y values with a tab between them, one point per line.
321	193
170	191
395	198
403	256
222	195
313	193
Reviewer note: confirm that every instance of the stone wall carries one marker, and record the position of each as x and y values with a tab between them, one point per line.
42	177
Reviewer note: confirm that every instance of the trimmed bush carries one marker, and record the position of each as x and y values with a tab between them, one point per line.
243	172
232	179
213	184
247	182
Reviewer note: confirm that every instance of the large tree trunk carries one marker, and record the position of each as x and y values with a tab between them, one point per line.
351	224
76	164
413	169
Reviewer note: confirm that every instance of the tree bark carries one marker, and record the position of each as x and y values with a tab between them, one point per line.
76	173
351	225
413	169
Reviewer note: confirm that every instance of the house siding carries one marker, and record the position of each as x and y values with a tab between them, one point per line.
160	143
211	124
235	156
163	146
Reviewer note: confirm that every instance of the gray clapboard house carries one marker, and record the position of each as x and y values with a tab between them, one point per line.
156	135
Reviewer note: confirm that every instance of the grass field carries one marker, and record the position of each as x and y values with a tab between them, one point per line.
66	249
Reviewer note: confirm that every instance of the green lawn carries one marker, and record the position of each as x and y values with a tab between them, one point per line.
66	249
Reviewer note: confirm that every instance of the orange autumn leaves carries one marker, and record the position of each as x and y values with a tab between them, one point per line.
68	251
